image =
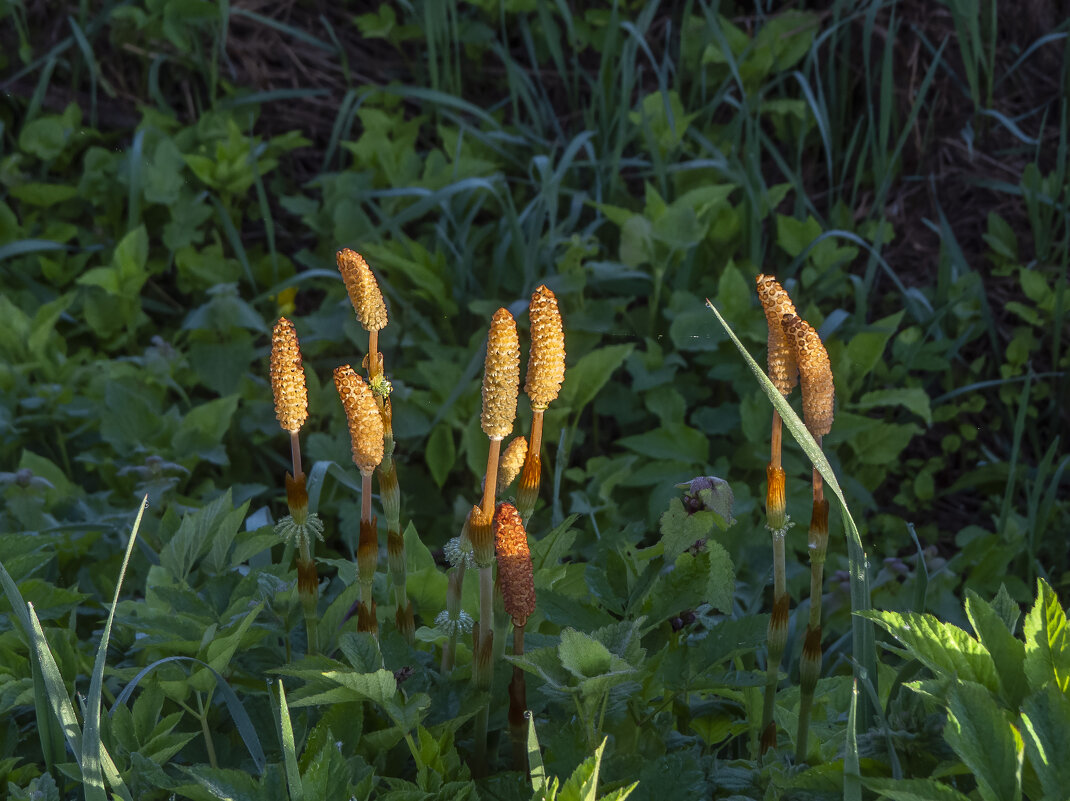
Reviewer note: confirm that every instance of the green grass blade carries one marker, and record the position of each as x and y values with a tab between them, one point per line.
50	734
863	645
289	750
1016	446
91	745
852	777
921	574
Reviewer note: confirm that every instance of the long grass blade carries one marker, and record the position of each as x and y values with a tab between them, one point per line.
289	749
91	745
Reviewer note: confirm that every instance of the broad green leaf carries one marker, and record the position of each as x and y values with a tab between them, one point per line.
865	348
680	530
721	584
1007	608
1045	727
946	650
793	236
1047	641
378	687
985	741
585	657
913	398
202	429
222	647
914	790
676	441
440	453
586	378
1008	652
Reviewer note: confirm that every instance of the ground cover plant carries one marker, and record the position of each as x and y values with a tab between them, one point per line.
374	230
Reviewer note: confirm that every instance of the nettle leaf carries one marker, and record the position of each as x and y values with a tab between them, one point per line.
1007	608
1008	652
721	580
985	741
1047	641
680	530
585	657
945	649
1045	728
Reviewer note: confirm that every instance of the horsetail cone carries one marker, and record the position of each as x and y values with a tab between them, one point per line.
815	374
288	377
511	462
546	362
362	414
363	290
783	369
501	377
515	572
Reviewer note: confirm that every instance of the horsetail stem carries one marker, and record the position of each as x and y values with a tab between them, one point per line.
366	436
546	372
516	578
783	372
815	378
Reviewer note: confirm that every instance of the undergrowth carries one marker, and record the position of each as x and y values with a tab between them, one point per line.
176	175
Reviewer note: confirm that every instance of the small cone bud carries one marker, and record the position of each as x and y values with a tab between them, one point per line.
362	414
512	461
501	377
288	377
546	361
783	370
815	374
363	290
515	572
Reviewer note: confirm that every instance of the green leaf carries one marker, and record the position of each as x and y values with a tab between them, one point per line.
586	378
1045	727
1008	652
1047	641
913	398
1007	608
378	687
440	453
289	749
985	741
794	236
202	430
721	584
865	348
681	530
675	441
948	651
914	790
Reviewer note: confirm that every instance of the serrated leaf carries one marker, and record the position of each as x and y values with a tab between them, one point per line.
945	649
1047	641
721	582
1008	652
1045	727
681	530
985	741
